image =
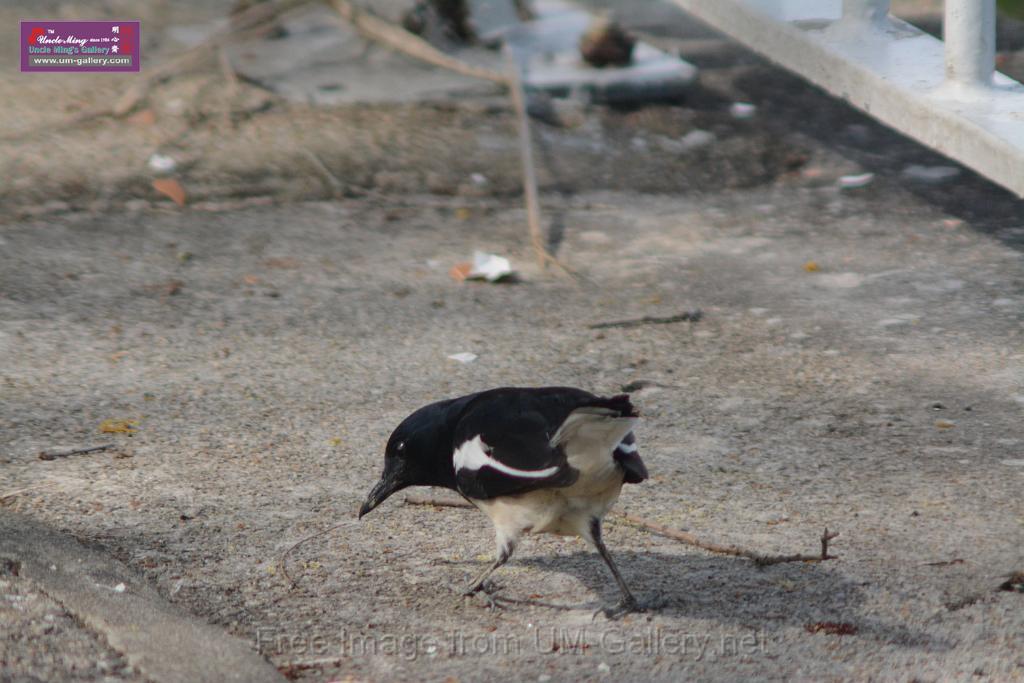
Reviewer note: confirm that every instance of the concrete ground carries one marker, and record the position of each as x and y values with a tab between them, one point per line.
859	366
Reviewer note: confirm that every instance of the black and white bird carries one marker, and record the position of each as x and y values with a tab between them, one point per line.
535	460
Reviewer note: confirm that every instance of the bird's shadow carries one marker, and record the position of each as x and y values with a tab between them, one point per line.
734	590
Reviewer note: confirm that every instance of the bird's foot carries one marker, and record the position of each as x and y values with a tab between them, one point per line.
487	587
489	591
492	601
625	606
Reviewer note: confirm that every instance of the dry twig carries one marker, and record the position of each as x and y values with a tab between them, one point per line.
686	316
282	561
536	603
293	669
329	178
251	23
676	535
408	43
17	492
228	71
533	221
43	455
758	558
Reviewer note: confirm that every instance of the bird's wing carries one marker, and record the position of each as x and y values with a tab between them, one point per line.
504	447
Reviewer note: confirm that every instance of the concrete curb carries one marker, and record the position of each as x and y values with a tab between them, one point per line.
165	644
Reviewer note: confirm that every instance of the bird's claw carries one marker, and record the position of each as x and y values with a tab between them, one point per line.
490	592
492	601
625	606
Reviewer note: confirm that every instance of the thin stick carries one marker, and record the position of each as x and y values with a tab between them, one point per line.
676	535
282	561
250	23
43	455
410	44
403	41
288	670
825	538
17	492
758	558
537	603
685	316
515	88
228	71
325	172
943	563
533	220
414	46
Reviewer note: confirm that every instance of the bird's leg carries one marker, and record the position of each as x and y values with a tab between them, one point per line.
628	602
505	548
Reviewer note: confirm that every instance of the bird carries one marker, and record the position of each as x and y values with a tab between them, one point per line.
533	459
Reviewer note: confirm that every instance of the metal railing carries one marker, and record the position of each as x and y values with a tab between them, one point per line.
946	95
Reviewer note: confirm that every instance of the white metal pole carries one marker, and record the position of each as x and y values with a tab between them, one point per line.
970	35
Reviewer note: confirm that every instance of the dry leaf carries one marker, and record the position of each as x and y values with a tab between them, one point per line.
462	213
146	117
251	280
118	426
944	424
811	267
170	188
460	271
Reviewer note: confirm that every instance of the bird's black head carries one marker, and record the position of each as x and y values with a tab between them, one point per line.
418	454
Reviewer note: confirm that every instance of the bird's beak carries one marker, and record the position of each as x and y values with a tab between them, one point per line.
387	485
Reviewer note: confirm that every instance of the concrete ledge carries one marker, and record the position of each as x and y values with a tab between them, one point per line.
155	637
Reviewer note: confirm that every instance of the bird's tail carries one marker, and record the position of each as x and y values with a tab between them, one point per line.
619	404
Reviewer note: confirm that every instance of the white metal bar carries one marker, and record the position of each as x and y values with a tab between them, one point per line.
970	35
896	73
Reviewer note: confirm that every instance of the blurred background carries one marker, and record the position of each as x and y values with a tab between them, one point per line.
263	117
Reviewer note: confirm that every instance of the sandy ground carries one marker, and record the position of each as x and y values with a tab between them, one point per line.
265	387
265	341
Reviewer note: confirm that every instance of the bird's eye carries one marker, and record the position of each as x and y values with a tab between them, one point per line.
400	446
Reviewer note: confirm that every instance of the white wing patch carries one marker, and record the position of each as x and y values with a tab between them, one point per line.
626	447
474	454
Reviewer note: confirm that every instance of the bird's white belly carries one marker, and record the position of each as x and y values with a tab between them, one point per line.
565	511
